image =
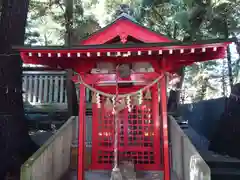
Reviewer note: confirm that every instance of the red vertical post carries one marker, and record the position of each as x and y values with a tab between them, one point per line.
156	120
81	131
95	126
125	125
165	127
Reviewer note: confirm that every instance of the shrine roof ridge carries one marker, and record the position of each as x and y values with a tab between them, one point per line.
125	16
116	46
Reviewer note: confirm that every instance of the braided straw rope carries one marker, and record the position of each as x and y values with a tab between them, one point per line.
120	95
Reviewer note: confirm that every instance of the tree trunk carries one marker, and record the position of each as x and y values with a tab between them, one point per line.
237	46
16	145
69	21
71	95
237	43
229	62
70	86
181	73
175	95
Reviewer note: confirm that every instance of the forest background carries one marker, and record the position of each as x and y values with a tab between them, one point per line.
50	22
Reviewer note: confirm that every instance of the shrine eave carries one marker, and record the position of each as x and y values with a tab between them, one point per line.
127	47
176	54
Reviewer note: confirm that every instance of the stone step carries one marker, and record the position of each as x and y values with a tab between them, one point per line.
219	161
225	174
224	164
222	167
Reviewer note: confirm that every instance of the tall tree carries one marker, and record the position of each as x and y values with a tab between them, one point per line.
53	22
16	145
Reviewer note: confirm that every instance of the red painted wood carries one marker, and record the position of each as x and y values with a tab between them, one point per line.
111	90
176	50
84	64
124	27
125	131
98	78
155	116
81	132
136	137
95	78
95	125
165	129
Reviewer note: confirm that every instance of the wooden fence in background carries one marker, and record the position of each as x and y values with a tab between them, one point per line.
46	88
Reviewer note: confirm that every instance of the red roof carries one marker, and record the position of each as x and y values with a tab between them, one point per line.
124	26
149	46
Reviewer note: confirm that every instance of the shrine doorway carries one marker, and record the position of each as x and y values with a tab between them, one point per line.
138	136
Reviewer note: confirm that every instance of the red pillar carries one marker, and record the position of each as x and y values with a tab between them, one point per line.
156	118
95	125
165	128
81	131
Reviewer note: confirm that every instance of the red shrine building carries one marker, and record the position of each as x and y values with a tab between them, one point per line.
147	57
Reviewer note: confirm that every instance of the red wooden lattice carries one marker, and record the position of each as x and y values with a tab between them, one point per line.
136	137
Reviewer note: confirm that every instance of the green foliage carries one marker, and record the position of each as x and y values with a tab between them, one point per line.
183	20
50	19
189	3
